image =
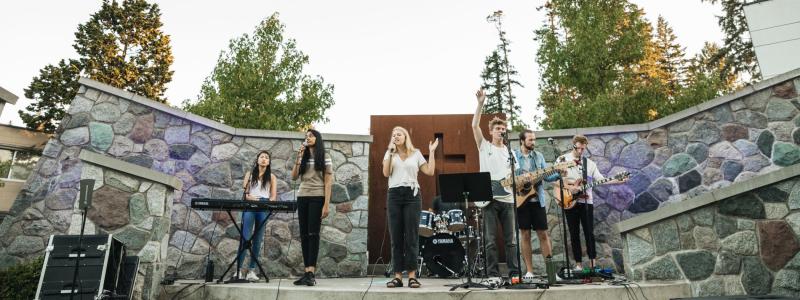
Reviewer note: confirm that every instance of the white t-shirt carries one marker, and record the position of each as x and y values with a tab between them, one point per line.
577	173
404	172
494	160
258	192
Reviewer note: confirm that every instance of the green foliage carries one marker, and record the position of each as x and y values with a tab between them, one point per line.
737	54
53	90
587	49
121	45
603	65
259	83
21	281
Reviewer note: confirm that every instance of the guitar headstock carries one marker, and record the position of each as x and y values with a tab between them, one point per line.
622	175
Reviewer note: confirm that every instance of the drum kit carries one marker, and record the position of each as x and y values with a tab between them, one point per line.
443	240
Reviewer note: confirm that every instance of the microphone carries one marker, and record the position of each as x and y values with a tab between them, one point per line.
305	144
505	137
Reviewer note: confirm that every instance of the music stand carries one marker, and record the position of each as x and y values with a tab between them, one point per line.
466	187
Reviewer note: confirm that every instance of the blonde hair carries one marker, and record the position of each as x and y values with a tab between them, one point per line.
409	146
497	121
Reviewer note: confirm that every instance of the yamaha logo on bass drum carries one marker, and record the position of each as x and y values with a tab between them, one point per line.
443	241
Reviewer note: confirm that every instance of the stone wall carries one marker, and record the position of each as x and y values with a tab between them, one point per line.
743	239
207	159
706	147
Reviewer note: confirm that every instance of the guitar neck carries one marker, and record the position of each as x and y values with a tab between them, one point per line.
596	183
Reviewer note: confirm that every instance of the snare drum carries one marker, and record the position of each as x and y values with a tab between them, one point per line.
425	223
455	219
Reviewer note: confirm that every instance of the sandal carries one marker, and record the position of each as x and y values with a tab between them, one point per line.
413	283
397	282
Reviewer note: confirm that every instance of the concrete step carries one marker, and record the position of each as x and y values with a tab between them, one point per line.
374	288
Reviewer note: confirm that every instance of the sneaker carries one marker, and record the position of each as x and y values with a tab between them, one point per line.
302	279
310	279
528	278
251	276
238	275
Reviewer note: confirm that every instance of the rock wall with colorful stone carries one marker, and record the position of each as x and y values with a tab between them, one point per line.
209	159
707	147
745	244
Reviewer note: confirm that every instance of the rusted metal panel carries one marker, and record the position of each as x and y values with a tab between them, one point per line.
457	153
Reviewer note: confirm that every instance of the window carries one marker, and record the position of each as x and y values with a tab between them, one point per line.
16	164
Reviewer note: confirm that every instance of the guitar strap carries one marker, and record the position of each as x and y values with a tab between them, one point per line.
585	175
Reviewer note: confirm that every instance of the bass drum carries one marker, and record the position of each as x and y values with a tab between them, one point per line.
443	255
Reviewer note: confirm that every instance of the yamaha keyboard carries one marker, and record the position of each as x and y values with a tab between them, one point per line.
228	204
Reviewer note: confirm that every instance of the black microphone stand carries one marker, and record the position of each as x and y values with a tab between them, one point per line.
563	212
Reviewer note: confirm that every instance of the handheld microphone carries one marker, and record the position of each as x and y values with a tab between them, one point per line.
305	144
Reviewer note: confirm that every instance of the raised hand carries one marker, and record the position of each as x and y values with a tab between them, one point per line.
432	145
481	96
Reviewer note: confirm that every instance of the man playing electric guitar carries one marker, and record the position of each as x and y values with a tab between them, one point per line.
494	158
581	215
532	213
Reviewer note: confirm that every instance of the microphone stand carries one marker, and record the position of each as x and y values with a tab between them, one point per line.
563	215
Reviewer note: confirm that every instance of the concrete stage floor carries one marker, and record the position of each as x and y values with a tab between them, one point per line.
374	288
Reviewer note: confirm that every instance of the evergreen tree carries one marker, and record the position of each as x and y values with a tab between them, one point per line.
259	83
121	45
53	90
737	54
498	97
671	62
499	77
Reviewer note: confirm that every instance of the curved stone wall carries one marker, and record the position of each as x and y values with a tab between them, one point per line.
207	159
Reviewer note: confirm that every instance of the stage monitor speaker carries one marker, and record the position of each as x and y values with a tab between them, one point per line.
99	273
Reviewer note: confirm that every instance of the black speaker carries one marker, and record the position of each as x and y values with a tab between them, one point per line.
102	268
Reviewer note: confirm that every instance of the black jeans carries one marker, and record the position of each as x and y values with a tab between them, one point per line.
582	215
502	214
309	210
404	208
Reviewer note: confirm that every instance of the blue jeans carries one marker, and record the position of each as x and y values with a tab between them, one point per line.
251	219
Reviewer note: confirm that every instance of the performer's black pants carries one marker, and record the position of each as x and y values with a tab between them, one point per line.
404	208
309	210
581	216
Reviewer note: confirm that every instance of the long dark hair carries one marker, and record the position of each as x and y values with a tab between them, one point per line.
267	173
319	154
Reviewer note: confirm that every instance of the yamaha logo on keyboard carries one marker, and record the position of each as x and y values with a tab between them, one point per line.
201	203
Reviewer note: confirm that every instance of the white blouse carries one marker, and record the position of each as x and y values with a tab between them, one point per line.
404	172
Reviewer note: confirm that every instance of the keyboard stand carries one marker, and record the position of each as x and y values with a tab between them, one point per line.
244	246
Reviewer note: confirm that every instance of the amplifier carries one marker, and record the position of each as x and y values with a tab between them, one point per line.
102	258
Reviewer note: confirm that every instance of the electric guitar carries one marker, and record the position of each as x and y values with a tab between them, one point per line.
571	198
526	184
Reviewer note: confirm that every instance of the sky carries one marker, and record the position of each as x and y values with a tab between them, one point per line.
383	58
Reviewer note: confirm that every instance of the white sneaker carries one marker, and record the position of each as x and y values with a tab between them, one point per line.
238	275
528	278
251	276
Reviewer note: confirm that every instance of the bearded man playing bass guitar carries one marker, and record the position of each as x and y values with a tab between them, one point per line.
532	214
582	214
